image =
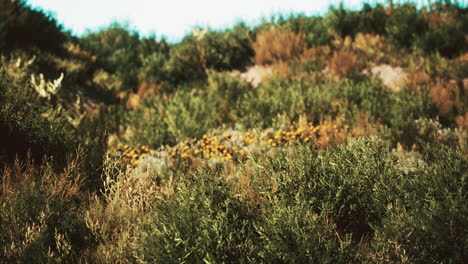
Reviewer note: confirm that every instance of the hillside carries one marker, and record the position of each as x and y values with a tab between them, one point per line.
334	139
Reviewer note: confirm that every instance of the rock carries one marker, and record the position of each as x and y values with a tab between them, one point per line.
393	78
255	74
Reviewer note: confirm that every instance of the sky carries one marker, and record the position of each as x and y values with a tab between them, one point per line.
175	18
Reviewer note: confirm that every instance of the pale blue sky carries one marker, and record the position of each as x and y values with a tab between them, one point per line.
175	18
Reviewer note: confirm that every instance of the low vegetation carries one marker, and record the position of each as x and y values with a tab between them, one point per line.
334	139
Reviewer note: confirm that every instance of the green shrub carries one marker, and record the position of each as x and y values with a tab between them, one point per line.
41	127
153	69
367	200
327	184
295	234
123	52
351	203
405	25
371	19
315	29
22	27
448	39
426	223
395	110
25	126
186	113
217	50
170	119
405	107
262	105
226	94
146	125
202	224
407	215
189	115
226	100
228	50
186	64
447	29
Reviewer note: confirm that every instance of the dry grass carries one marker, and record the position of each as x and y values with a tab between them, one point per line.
17	176
78	52
247	182
417	80
277	44
364	51
447	96
127	200
374	47
145	89
283	70
40	186
343	62
462	121
464	56
441	15
104	80
334	131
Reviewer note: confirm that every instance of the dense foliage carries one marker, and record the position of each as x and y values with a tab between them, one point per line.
304	139
24	28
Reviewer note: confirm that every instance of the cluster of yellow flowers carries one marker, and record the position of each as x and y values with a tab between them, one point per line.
322	135
130	155
222	147
232	145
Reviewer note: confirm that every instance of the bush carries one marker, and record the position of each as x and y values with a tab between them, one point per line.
267	173
277	44
25	126
447	29
28	29
207	49
179	116
343	63
153	69
296	234
405	25
186	113
349	23
40	218
145	125
395	110
228	50
203	224
189	115
117	213
314	28
261	106
229	101
397	209
448	39
426	223
123	52
302	205
346	195
40	126
186	64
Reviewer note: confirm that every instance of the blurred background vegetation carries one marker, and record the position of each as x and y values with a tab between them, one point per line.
351	140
